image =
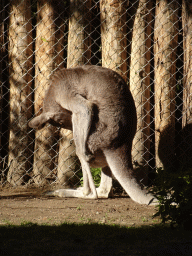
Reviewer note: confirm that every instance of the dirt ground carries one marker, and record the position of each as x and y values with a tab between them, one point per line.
43	227
18	207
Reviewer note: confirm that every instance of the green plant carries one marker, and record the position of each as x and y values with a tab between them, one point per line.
79	207
96	173
174	192
144	219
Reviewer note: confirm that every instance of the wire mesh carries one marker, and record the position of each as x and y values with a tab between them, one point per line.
147	42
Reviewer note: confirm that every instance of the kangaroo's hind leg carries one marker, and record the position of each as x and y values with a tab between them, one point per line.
80	127
89	190
82	114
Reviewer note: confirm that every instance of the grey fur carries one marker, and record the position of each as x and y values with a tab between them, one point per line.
96	104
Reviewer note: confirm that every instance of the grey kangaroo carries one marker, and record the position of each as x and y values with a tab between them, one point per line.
96	104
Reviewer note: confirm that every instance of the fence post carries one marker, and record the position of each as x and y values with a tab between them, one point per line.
20	80
165	46
46	56
78	53
186	146
113	35
187	39
2	48
140	85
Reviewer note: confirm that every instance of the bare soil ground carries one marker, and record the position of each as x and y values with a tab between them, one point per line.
17	206
44	227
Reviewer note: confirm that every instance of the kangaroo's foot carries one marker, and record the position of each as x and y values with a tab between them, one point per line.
79	193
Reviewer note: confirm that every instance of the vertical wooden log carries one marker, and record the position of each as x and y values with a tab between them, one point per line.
140	85
2	46
79	40
187	46
186	147
113	35
47	58
4	83
79	53
20	79
165	46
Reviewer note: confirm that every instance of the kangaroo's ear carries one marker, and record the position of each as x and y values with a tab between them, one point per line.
39	121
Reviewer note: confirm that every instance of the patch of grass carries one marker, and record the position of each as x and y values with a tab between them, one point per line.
93	239
79	207
7	222
144	219
25	223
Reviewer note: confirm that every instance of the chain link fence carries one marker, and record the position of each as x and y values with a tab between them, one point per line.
148	42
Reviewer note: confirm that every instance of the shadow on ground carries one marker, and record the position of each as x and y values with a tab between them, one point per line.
93	239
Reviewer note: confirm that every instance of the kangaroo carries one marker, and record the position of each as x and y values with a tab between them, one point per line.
96	104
